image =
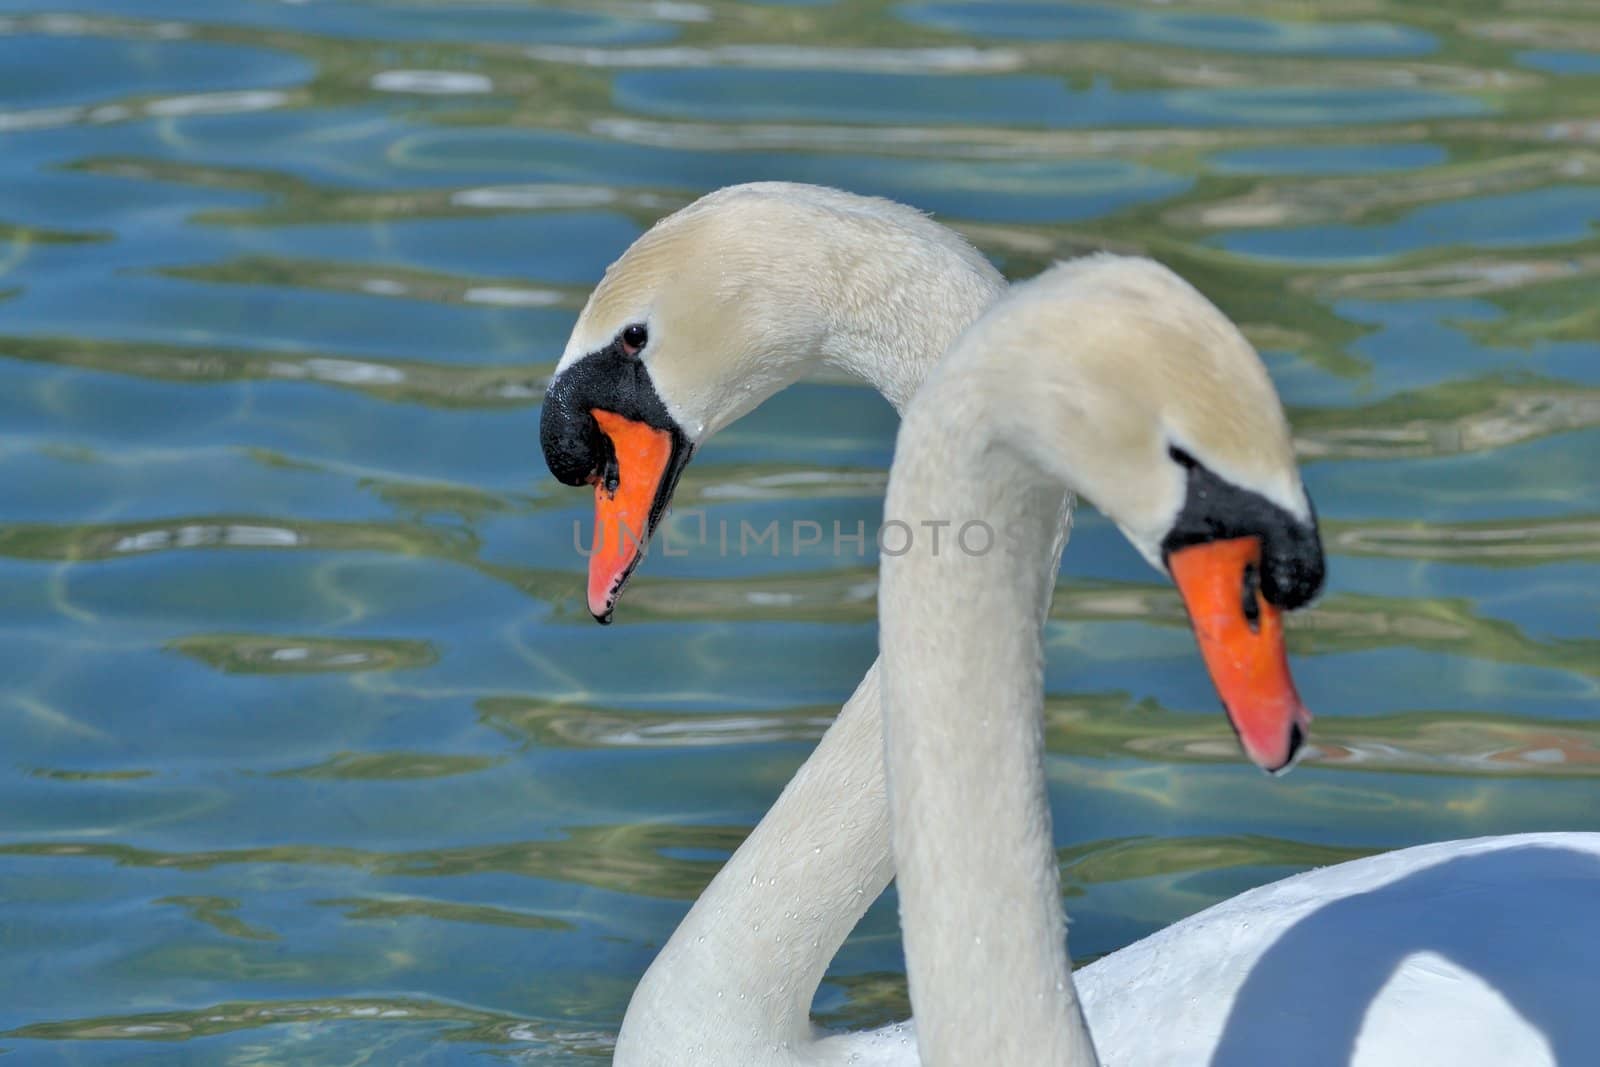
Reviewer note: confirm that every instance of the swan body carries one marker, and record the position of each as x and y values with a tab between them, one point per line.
1474	953
1458	954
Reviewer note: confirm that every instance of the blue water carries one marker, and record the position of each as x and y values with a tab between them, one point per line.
315	756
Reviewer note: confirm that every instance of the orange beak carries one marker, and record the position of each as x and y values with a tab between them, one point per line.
1241	640
626	507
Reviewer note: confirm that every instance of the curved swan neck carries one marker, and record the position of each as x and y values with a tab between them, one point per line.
866	286
877	297
754	287
980	898
898	304
734	983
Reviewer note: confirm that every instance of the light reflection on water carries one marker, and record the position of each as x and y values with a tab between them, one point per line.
316	755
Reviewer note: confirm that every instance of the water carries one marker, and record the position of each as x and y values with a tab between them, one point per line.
312	753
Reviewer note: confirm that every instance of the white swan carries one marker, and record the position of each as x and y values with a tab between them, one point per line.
1142	396
739	295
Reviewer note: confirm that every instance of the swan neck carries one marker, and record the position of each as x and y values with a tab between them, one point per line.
980	898
895	309
734	983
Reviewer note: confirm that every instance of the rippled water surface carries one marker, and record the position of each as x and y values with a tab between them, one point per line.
312	754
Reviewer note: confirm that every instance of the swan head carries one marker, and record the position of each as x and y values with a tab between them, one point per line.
714	309
1156	409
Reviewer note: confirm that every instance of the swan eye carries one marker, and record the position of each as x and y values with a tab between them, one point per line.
1249	594
634	338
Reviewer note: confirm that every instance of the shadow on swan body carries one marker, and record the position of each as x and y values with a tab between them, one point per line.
1486	956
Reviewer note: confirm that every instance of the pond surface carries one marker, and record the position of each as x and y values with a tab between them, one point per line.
312	753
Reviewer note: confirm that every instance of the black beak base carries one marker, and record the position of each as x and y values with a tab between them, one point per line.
1292	565
575	450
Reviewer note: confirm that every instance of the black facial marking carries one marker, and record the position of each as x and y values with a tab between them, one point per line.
575	450
1292	567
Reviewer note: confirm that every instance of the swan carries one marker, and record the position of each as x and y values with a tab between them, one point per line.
1141	396
712	310
737	296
